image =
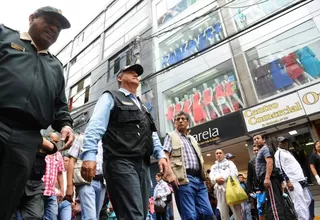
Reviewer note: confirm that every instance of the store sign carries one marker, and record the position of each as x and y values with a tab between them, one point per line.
220	129
310	98
273	112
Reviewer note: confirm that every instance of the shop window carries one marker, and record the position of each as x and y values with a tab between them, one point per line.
119	61
147	97
205	97
65	72
287	61
79	93
168	9
246	13
195	37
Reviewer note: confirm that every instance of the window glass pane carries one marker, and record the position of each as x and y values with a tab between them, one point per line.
120	60
129	57
161	8
195	37
245	13
172	8
86	95
205	97
74	90
87	82
116	65
287	61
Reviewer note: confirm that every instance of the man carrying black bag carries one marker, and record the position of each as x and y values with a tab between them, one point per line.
295	179
270	181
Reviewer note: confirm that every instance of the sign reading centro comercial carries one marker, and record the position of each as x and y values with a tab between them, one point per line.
273	112
310	98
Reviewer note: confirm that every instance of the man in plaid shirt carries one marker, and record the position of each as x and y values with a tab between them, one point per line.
186	173
54	169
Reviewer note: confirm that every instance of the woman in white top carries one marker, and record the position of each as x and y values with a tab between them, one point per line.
161	191
220	172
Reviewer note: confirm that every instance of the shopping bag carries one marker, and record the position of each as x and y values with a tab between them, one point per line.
234	192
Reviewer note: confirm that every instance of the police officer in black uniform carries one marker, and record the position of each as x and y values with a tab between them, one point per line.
32	97
31	204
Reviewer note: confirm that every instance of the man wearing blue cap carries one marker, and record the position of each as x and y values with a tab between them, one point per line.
32	98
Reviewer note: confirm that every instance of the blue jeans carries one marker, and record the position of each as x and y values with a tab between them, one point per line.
64	210
50	208
246	210
193	201
169	211
91	200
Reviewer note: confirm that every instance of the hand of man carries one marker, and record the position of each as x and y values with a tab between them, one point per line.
67	137
162	165
220	180
59	196
290	186
88	170
69	194
267	183
171	178
318	179
110	208
47	145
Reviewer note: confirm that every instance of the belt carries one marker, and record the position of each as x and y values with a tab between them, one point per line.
98	177
193	172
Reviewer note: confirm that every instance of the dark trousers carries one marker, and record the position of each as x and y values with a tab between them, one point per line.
18	149
128	182
30	207
161	215
275	204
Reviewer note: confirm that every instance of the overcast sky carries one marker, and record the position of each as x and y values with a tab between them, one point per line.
15	14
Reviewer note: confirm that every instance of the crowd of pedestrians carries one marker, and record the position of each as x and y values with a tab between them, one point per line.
104	173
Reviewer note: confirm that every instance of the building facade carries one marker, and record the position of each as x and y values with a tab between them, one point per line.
237	67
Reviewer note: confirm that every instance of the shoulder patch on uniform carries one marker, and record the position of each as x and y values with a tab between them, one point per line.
18	47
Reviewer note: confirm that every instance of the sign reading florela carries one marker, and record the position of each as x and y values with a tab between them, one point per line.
218	130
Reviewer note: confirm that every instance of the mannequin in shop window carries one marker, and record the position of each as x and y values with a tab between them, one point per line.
172	57
242	19
179	53
294	68
178	106
263	79
187	103
165	59
230	88
280	77
221	96
209	33
184	45
170	115
310	62
192	45
217	27
199	114
208	101
202	41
